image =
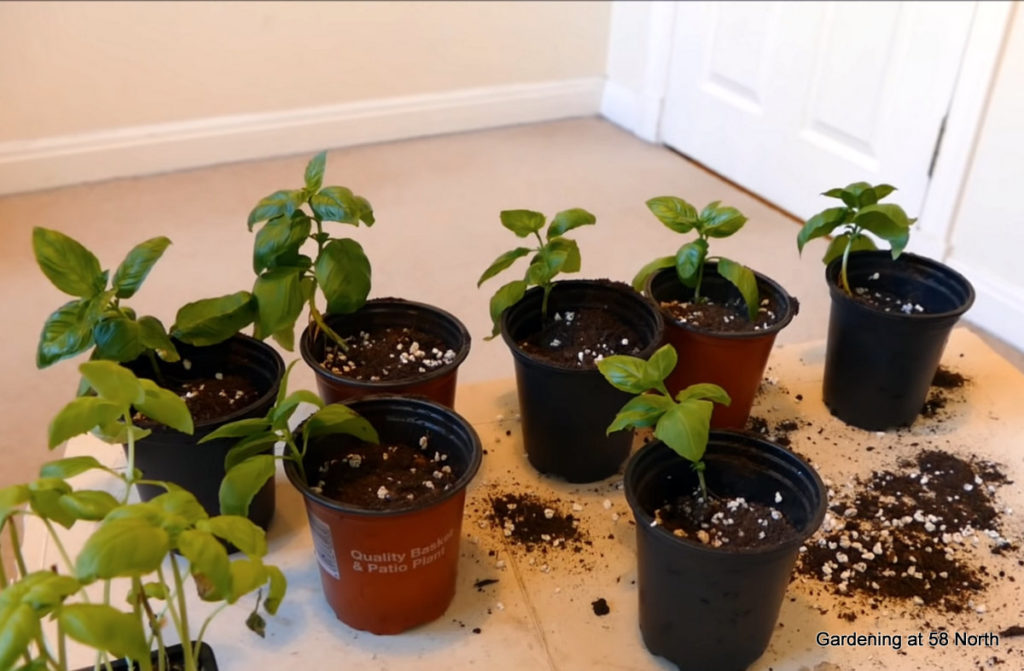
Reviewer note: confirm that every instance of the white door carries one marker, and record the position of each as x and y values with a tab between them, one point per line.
789	99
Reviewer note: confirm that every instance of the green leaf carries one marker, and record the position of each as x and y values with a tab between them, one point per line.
502	262
68	331
882	190
240	532
661	364
11	499
834	193
278	300
626	373
71	267
118	339
690	260
19	626
343	273
212	320
674	212
259	443
640	280
44	590
88	504
543	268
113	382
640	412
282	411
365	211
888	221
721	222
337	203
209	561
247	575
123	547
704	391
339	419
238	429
853	193
314	176
279	241
277	204
821	224
505	297
70	466
564	247
80	416
522	222
154	336
165	407
241	483
276	591
105	628
132	272
178	503
744	280
116	433
44	499
684	428
566	220
838	244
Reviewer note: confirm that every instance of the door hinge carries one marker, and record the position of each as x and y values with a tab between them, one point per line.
938	145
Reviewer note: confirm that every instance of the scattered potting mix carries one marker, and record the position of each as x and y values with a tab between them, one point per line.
217	396
389	354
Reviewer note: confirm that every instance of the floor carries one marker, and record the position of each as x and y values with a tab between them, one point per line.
436	201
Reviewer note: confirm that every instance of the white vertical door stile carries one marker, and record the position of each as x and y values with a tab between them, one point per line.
788	99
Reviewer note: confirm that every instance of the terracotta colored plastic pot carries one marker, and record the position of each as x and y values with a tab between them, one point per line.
437	385
733	361
388	571
715	608
176	457
879	365
565	410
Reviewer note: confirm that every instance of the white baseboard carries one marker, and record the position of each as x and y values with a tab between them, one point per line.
29	165
998	305
630	110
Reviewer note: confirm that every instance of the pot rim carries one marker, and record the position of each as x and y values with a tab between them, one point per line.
906	259
725	437
762	281
424	404
383	386
609	285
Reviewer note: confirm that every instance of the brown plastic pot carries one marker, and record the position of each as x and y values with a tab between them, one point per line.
733	361
389	571
437	385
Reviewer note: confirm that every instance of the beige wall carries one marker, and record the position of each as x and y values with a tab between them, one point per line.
75	67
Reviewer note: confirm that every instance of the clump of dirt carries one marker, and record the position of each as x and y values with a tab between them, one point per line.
600	607
948	379
389	353
908	535
777	433
582	337
728	317
718	522
536	524
937	401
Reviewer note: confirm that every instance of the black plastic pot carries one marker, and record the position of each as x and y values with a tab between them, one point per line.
879	365
176	457
565	411
715	608
437	385
388	571
175	657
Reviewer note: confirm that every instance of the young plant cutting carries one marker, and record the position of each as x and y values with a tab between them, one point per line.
720	518
721	316
891	314
146	548
557	331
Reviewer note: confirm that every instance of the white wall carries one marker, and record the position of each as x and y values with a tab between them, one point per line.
101	89
987	236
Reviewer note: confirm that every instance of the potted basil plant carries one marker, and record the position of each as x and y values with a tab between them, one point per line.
721	316
557	332
891	313
147	550
720	517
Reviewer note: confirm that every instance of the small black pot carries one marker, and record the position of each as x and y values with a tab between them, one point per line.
175	657
565	411
176	457
437	385
879	365
715	608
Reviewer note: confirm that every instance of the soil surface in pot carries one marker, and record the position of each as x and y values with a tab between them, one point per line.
725	522
386	477
886	301
389	353
581	337
211	398
728	317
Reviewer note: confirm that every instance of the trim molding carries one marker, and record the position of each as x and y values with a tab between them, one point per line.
29	165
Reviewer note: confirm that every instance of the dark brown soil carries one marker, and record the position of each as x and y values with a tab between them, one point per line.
731	317
902	535
600	607
948	379
886	301
938	400
212	398
389	354
392	477
935	402
536	524
779	433
732	522
581	337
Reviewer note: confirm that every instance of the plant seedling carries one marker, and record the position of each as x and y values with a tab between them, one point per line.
97	318
682	422
714	221
248	463
286	279
861	212
557	255
132	542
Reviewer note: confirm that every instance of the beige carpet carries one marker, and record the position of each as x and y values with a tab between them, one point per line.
437	202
